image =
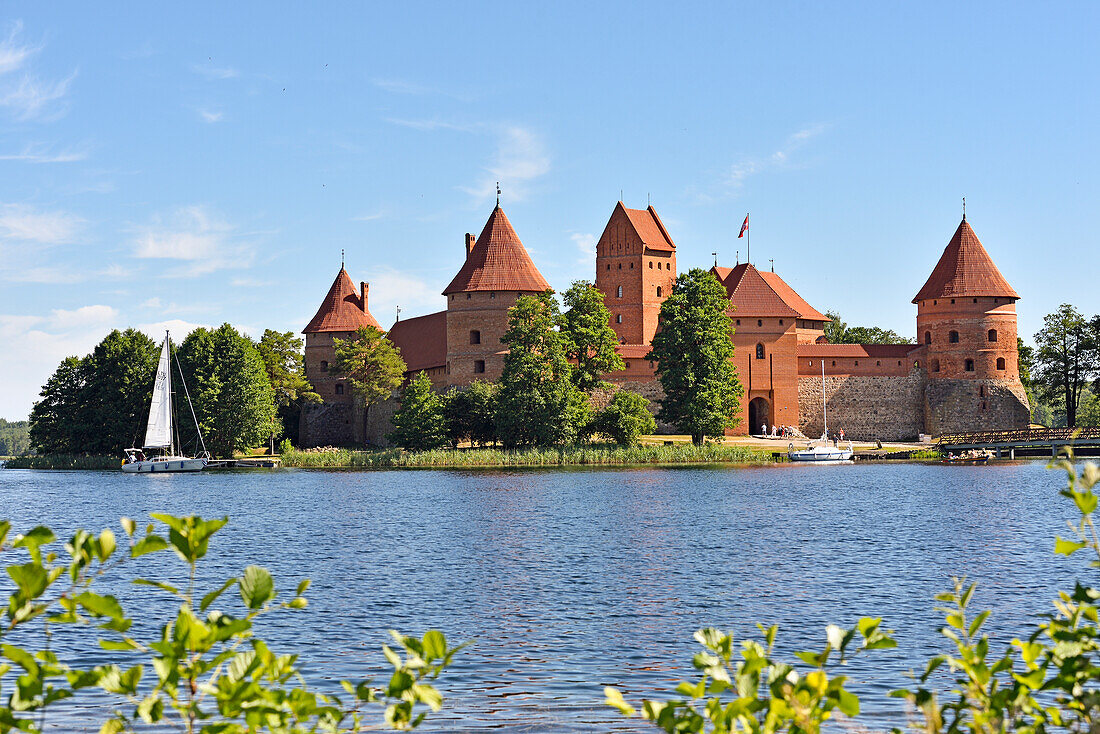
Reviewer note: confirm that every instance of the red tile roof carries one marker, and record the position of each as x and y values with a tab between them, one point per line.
649	228
498	262
750	294
421	340
343	309
633	351
965	269
792	299
824	351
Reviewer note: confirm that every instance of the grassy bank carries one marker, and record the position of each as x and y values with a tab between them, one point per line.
594	455
63	461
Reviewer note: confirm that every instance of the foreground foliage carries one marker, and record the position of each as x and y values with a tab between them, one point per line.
206	670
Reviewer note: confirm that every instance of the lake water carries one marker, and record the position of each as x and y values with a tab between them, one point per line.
571	580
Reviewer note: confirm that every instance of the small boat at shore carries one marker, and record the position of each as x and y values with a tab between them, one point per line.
160	439
970	457
821	452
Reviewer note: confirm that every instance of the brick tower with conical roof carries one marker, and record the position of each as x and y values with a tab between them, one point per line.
496	272
342	312
966	325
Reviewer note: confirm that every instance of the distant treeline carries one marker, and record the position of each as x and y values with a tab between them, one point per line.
14	437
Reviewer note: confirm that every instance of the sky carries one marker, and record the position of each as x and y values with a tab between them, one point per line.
181	165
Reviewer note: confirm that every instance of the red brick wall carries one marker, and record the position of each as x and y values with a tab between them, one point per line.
319	348
622	260
775	377
484	311
860	366
972	318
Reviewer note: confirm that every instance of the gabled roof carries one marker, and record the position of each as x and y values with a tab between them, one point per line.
965	269
498	262
792	299
421	340
750	294
649	228
342	310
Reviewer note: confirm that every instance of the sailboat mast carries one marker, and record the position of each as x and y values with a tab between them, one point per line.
824	408
171	427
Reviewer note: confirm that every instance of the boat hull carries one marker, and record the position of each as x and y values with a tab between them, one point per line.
820	454
165	465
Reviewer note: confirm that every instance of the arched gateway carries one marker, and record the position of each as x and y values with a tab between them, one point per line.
759	414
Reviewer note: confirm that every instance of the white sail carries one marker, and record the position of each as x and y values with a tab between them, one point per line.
159	432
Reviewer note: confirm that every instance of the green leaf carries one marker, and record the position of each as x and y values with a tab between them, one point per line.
159	585
1066	547
1085	501
29	577
100	606
613	697
5	528
210	598
126	644
20	657
106	545
38	536
978	622
128	525
847	702
257	587
148	544
435	645
302	586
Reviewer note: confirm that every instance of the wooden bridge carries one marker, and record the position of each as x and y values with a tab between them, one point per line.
1028	440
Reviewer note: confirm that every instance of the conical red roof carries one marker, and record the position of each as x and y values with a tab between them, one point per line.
965	269
342	310
498	262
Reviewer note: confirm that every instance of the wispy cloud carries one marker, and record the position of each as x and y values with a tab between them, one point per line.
390	288
520	158
209	116
780	158
403	86
586	243
21	223
429	125
210	71
192	235
14	53
37	153
25	95
369	217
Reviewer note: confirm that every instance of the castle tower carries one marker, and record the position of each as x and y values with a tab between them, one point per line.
343	311
635	269
966	325
496	272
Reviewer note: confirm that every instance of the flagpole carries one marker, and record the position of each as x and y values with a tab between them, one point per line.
748	240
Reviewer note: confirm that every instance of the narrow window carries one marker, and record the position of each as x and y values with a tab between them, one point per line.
620	266
609	266
878	363
975	300
981	391
969	365
618	318
935	365
935	302
324	366
658	291
339	389
627	365
834	363
479	366
857	363
467	296
780	322
953	337
475	337
899	363
738	322
760	351
631	266
928	337
1000	363
952	301
651	265
760	322
492	294
916	364
992	335
619	293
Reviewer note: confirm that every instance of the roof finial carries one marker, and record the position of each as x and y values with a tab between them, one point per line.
648	201
964	208
398	313
498	194
341	258
620	194
772	261
738	257
715	258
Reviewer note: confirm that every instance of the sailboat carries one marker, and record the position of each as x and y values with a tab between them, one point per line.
821	452
159	436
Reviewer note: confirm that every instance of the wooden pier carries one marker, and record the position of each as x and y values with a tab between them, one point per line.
260	462
1026	441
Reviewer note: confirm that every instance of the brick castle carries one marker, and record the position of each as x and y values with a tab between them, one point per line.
961	376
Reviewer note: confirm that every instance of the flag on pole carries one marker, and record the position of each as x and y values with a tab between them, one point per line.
744	227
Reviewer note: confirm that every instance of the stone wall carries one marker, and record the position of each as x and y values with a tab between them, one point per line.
869	408
964	406
343	424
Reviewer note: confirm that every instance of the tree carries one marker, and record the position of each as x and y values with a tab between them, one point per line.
1067	358
625	418
371	363
536	402
281	353
232	396
692	350
14	437
587	336
54	418
419	425
838	332
470	413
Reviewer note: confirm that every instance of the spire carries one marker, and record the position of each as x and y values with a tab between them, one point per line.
498	261
343	309
498	194
965	269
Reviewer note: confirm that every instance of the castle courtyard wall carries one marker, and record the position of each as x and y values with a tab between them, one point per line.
866	407
965	406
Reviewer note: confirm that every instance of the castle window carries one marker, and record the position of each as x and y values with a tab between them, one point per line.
619	293
492	294
834	363
969	365
475	337
618	318
324	366
760	322
975	300
928	337
935	365
934	302
1000	363
479	366
738	322
878	363
760	351
651	265
857	363
467	296
992	335
627	365
952	301
953	337
780	322
609	266
658	291
981	391
339	389
899	363
631	266
983	405
916	364
620	266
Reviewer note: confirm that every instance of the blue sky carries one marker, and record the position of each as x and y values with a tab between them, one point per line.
207	162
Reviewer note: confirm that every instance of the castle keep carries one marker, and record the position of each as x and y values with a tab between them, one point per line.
962	375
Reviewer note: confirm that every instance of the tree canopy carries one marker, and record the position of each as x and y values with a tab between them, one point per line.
371	363
838	332
14	437
587	336
693	351
625	418
418	425
281	353
1067	358
470	413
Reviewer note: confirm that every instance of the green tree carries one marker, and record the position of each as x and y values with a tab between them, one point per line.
693	351
371	363
232	396
587	336
14	437
419	425
55	418
536	402
470	413
285	366
625	418
1067	359
838	332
